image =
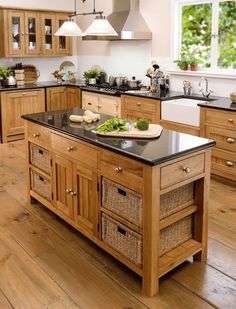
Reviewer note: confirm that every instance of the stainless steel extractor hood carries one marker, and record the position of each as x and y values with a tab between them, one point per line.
128	22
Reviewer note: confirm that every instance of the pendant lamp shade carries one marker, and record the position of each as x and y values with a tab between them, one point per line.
101	26
69	28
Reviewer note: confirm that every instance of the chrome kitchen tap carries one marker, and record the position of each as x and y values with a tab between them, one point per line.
205	91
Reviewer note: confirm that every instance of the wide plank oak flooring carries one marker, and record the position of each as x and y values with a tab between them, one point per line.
45	263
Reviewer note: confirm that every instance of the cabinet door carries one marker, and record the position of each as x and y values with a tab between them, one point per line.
109	105
32	37
47	34
17	103
62	185
73	97
85	199
63	43
56	98
90	101
16	33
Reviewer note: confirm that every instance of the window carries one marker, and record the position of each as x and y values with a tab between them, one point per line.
208	29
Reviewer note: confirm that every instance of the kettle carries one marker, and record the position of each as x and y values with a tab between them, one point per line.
11	81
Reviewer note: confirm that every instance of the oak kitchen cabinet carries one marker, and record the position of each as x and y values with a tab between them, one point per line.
28	33
220	125
101	103
134	107
17	103
62	97
90	186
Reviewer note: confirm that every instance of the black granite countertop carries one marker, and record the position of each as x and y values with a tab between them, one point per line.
168	146
42	85
212	102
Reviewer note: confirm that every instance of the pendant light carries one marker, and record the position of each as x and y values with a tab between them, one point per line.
100	25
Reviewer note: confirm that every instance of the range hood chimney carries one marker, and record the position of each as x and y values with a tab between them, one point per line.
127	21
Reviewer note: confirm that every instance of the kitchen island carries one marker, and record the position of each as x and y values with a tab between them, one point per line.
143	201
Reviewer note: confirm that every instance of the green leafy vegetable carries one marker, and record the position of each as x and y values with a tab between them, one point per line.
113	125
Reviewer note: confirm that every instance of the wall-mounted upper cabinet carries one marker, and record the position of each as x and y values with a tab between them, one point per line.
31	33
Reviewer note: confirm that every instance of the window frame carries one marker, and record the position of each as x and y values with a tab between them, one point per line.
176	17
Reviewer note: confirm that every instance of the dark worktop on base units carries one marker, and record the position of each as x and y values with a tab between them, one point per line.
168	146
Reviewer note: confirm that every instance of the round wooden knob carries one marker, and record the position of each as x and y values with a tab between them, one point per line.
68	191
138	104
230	120
36	135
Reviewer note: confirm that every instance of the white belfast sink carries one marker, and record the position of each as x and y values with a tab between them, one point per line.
183	111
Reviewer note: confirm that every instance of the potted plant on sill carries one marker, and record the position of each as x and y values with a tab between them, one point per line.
193	62
91	76
183	62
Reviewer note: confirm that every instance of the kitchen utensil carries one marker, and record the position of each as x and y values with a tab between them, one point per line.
118	81
134	83
111	80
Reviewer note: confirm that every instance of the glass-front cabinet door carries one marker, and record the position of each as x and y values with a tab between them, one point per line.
48	30
16	41
32	38
63	43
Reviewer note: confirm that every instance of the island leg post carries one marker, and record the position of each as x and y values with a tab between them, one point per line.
151	230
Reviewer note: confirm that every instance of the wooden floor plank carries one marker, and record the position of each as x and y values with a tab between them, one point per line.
21	280
207	282
65	266
4	303
75	264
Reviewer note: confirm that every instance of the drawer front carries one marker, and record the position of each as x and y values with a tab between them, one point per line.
221	118
75	150
182	170
122	170
39	135
223	163
225	139
138	104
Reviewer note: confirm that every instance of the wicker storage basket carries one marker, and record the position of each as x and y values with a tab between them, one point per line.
176	200
40	185
31	73
175	234
122	239
40	158
122	201
129	243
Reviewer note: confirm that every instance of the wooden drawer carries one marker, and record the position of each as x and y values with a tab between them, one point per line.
225	139
75	150
136	103
182	170
123	170
223	163
221	118
38	135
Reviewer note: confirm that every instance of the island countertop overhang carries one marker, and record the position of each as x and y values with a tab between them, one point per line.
168	146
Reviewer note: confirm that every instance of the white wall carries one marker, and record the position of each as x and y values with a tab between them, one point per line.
45	65
129	58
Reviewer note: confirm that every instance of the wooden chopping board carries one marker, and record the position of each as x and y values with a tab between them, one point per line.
153	131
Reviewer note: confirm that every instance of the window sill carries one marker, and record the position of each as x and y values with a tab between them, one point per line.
205	73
